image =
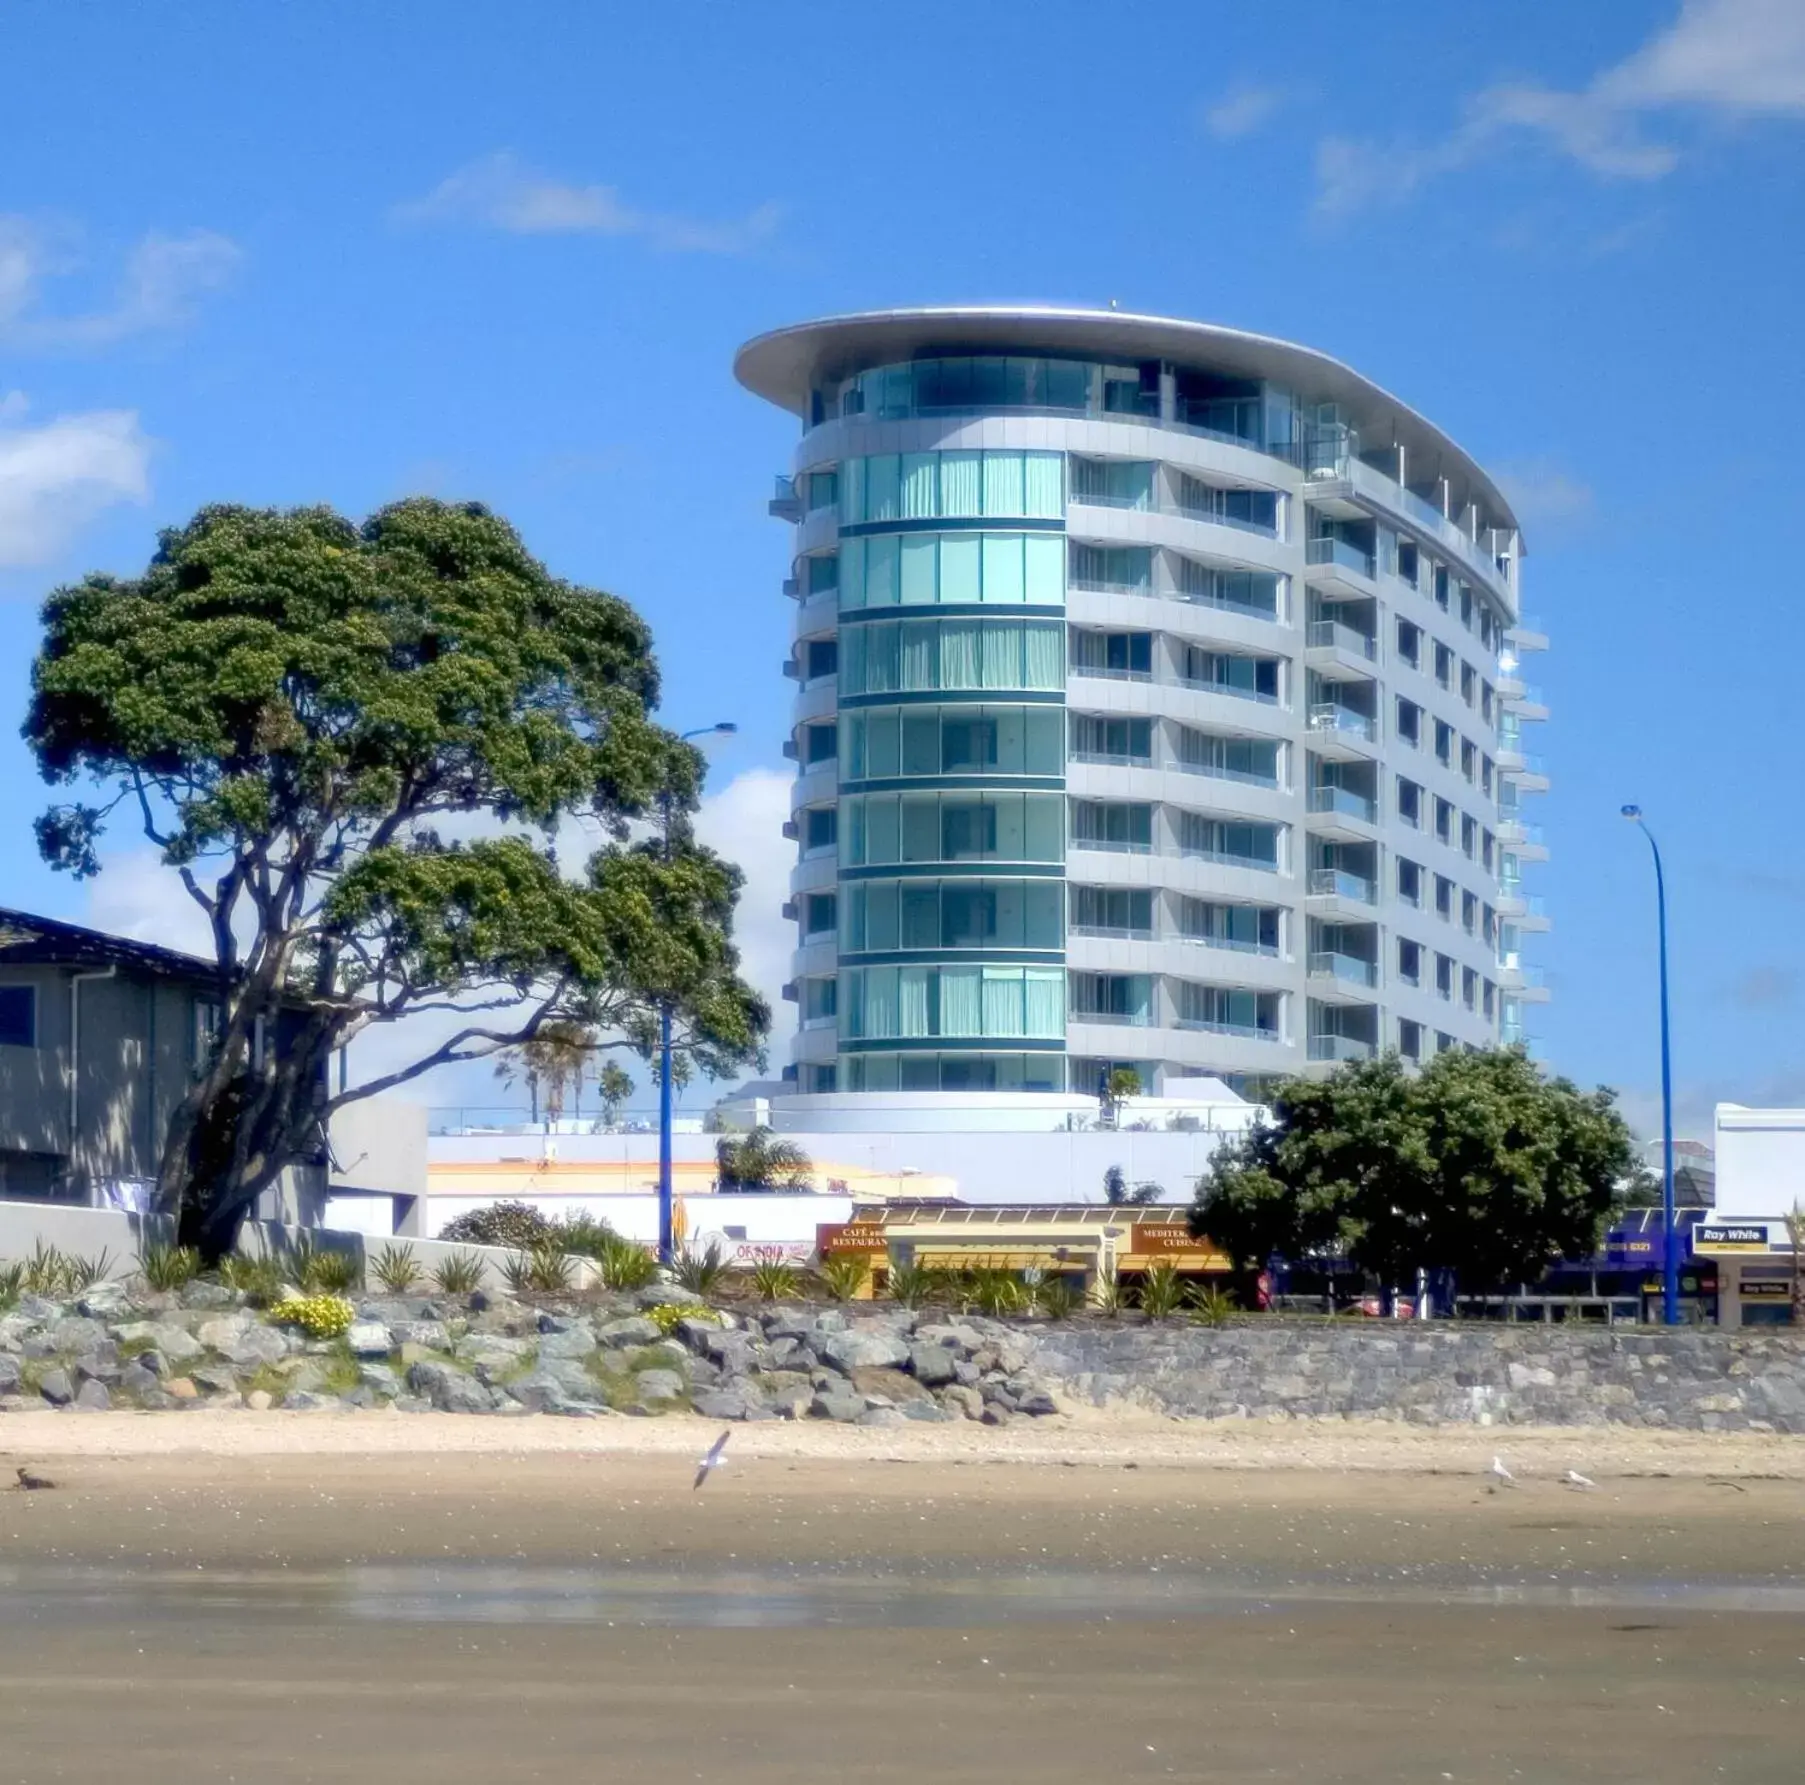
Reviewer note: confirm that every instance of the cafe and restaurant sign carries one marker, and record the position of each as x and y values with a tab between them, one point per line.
1146	1243
866	1238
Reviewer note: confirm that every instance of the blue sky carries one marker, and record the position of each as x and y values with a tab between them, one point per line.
344	253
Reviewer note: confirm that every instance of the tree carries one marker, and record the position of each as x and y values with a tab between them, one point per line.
1117	1193
1795	1237
293	709
757	1160
554	1061
614	1087
1476	1164
1114	1085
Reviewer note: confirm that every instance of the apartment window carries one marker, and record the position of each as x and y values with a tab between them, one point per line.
1469	836
1469	682
1444	1042
820	657
1232	759
1444	744
1408	565
1113	483
1488	998
1469	988
1444	666
1112	997
1410	961
1485	776
18	1016
1117	569
819	1001
823	490
924	656
882	915
1488	924
1469	913
1410	1039
1486	698
1113	653
1410	723
821	827
819	743
1486	845
1253	678
1112	911
823	573
1410	882
1227	1010
1444	897
1444	822
820	914
956	485
1410	802
1444	977
1441	587
1235	844
1469	760
1096	739
1410	644
881	742
819	1078
920	569
1111	824
209	1020
1251	929
1466	606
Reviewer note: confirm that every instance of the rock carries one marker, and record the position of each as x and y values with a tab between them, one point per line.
993	1415
543	1392
863	1350
138	1382
299	1400
175	1342
202	1294
791	1403
633	1331
222	1334
673	1352
367	1338
449	1389
9	1374
925	1410
428	1335
571	1342
182	1389
966	1402
880	1416
153	1361
74	1335
214	1379
659	1385
892	1386
256	1345
100	1365
380	1380
92	1397
726	1403
413	1404
843	1408
663	1295
932	1365
55	1387
105	1301
1037	1403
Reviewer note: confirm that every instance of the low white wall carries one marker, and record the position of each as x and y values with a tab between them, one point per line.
1760	1160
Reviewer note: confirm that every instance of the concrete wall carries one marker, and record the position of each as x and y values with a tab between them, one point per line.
1760	1160
379	1146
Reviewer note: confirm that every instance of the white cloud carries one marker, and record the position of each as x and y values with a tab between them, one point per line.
1545	495
1241	110
56	478
500	191
160	285
135	895
1730	59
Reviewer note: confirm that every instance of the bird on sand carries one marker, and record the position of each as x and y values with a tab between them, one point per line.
715	1459
31	1480
1573	1478
1502	1473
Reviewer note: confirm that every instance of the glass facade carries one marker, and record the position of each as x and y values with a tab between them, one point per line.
970	569
935	656
953	486
883	916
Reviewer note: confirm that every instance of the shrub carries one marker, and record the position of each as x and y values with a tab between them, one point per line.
625	1264
168	1267
1211	1306
1107	1298
316	1271
774	1280
666	1315
544	1270
996	1292
585	1235
701	1273
318	1316
843	1275
259	1280
58	1275
1162	1292
912	1285
459	1274
516	1225
1056	1298
12	1284
394	1268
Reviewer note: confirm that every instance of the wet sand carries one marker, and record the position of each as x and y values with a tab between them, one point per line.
455	1606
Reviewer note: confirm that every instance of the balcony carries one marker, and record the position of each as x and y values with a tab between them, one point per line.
1526	912
786	504
1340	812
1528	635
1120	1019
1340	1047
1110	759
1524	699
1529	773
1332	647
1523	840
1333	890
1198	1025
1338	565
1215	518
1342	978
1341	734
1526	984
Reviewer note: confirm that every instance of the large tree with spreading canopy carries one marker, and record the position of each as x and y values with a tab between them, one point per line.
359	747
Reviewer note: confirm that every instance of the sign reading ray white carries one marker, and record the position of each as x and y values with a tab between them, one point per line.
1732	1236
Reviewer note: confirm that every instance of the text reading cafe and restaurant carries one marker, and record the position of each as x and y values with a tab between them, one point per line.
1079	1242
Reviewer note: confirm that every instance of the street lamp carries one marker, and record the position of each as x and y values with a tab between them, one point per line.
1670	1261
666	1207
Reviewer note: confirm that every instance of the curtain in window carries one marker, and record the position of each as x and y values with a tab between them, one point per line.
883	495
880	571
852	573
961	484
916	670
1003	569
964	1004
881	668
1003	483
1044	578
852	491
960	662
959	560
1002	646
917	583
1003	1001
913	1001
1043	493
852	660
1043	663
880	1003
1043	1002
919	494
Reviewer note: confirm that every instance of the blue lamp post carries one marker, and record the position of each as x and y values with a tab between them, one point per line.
1670	1258
666	1206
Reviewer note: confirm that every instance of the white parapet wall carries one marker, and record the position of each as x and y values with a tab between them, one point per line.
1760	1160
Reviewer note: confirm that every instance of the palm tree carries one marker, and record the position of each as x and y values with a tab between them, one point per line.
760	1161
555	1060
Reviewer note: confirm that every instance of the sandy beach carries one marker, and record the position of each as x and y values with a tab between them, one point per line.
237	1597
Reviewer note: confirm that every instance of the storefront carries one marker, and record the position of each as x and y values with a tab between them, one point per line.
1755	1264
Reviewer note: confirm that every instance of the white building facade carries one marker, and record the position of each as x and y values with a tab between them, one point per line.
1159	706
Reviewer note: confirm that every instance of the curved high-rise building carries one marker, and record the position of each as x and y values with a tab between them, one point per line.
1158	706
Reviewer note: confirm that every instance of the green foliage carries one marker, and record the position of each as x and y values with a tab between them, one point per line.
844	1274
394	1267
993	1291
516	1225
319	1270
915	1285
667	1316
12	1284
1117	1192
585	1235
318	1316
1107	1297
168	1267
759	1161
1211	1306
59	1275
544	1270
774	1280
291	707
1056	1298
701	1273
1162	1292
1477	1164
258	1280
625	1264
460	1273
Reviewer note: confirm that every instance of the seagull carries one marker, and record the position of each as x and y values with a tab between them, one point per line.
1502	1473
1573	1478
30	1480
715	1459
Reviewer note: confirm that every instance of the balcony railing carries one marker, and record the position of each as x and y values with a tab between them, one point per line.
1092	585
1222	774
1343	800
1111	932
1233	689
1125	1019
1222	858
1140	503
1111	675
1114	845
1332	549
1244	1031
786	501
1341	1047
1215	518
1332	965
1343	721
1111	759
1268	949
1252	610
1338	883
1326	635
